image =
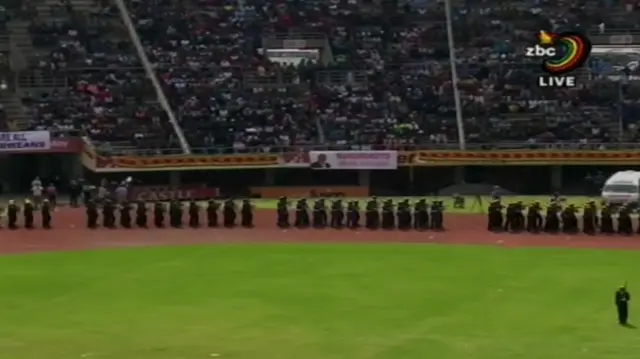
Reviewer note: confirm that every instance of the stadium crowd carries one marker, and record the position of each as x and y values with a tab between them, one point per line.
384	77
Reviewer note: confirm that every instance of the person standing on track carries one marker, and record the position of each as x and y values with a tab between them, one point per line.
37	192
46	214
122	193
12	214
28	214
52	194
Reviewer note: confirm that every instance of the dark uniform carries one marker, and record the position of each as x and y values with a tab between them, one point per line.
302	214
125	215
353	215
158	214
403	215
569	220
45	211
606	220
175	214
141	214
372	215
515	217
28	210
534	218
625	225
551	220
282	208
246	214
319	219
337	214
621	299
421	215
74	193
108	214
589	218
212	213
437	216
229	214
510	215
194	214
12	214
495	220
388	215
92	214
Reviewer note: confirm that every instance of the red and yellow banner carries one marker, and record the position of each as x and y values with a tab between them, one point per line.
99	163
134	163
518	158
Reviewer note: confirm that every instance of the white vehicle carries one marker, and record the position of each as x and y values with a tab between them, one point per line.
622	187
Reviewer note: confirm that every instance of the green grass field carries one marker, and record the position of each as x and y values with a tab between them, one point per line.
316	302
470	208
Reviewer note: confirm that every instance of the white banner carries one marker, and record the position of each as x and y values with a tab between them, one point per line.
25	141
354	160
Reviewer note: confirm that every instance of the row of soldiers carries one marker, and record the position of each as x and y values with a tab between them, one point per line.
385	215
28	211
174	211
559	219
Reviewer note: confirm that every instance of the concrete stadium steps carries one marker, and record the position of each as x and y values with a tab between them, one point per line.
17	115
21	44
120	146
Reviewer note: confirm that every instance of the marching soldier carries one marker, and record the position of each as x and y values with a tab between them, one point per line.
212	213
625	226
92	214
388	215
421	215
495	216
403	215
158	214
141	214
510	217
246	214
229	213
175	214
12	214
194	214
283	213
337	214
108	214
372	216
302	214
552	222
319	214
45	211
437	216
518	219
589	218
353	215
606	219
125	215
28	214
534	218
569	220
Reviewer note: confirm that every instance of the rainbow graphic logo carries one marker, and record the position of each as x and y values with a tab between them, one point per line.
573	51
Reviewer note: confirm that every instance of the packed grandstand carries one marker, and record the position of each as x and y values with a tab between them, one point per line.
241	75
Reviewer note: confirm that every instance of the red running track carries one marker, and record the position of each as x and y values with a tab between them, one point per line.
69	233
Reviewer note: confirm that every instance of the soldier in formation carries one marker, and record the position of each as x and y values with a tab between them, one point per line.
403	215
567	219
110	215
28	210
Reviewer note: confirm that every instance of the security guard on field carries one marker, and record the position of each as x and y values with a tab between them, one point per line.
621	299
